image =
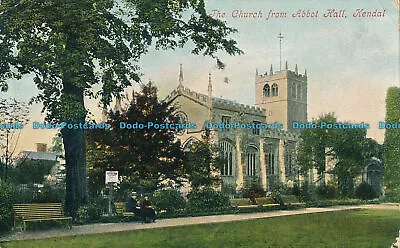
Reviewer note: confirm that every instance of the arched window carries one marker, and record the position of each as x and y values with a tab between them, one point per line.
266	90
187	145
251	162
274	90
270	163
227	154
298	91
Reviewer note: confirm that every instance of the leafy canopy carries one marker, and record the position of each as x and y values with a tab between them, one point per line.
349	148
72	45
144	157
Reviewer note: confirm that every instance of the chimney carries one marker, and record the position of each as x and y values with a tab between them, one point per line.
41	147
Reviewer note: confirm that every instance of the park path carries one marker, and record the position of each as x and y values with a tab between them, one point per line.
129	226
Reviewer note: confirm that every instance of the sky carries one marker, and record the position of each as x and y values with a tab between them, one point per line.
350	62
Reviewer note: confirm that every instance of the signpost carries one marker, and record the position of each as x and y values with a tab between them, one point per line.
111	178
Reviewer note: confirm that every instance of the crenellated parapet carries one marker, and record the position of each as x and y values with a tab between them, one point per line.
281	74
224	104
218	103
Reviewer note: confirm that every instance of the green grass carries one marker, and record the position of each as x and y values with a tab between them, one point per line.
357	228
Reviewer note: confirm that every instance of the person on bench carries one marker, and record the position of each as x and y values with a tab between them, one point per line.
132	203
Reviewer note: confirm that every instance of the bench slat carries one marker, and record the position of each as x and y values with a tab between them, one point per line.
39	212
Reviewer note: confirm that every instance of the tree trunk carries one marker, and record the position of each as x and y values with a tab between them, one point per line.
75	149
73	111
76	171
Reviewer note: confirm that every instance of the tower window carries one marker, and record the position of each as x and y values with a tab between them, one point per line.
274	90
226	120
266	90
256	131
293	89
298	91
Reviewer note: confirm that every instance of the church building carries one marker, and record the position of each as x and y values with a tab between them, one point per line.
257	142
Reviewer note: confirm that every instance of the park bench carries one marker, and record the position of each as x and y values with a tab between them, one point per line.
120	209
39	212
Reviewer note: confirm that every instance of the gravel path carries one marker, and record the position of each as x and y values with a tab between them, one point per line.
127	226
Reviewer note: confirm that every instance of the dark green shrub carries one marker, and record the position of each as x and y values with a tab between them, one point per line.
306	193
229	189
50	193
169	200
277	197
295	190
326	192
89	213
253	191
6	216
207	199
365	191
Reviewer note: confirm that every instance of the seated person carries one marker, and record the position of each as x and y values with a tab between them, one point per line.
132	203
145	203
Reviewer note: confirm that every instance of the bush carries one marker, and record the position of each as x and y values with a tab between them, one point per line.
89	213
326	192
169	200
306	193
277	197
392	195
229	189
295	190
6	217
365	191
50	193
253	191
206	200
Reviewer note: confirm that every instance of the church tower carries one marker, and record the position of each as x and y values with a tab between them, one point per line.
283	94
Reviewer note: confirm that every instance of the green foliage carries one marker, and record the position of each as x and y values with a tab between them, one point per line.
47	194
365	191
169	200
391	156
93	50
202	163
29	171
392	195
229	189
50	194
306	193
349	148
207	199
57	144
277	197
253	190
89	213
6	216
326	191
143	157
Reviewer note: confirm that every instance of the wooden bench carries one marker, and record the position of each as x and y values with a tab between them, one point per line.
120	209
24	213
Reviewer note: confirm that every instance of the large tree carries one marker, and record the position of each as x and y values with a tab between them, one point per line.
349	147
69	46
392	144
202	164
145	155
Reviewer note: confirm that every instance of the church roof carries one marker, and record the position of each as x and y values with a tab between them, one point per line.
216	101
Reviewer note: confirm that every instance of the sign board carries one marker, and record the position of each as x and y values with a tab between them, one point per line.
111	177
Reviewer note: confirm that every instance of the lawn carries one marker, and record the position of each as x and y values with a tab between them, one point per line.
356	228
